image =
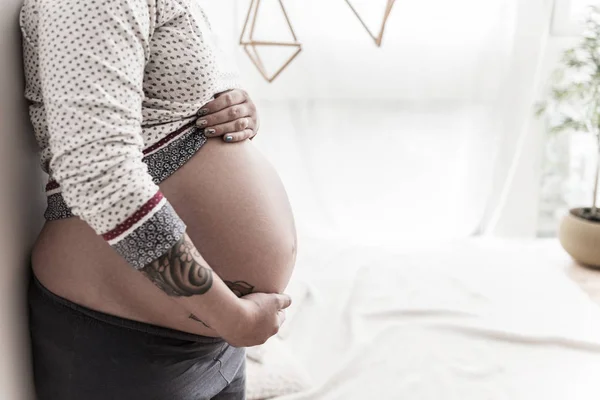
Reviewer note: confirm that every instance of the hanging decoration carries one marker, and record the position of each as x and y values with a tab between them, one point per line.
251	45
379	37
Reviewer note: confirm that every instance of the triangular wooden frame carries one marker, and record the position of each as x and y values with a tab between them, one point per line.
388	9
250	45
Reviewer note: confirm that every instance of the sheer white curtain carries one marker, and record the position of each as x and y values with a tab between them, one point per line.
414	141
513	203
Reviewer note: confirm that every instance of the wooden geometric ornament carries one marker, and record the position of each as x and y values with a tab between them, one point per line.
251	45
379	37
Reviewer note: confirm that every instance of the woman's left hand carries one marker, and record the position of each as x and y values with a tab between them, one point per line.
231	115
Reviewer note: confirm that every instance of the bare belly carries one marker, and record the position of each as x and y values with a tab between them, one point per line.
237	214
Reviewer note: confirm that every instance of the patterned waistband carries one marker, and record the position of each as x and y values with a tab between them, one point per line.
162	159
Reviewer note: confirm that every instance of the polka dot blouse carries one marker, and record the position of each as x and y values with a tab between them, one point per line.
115	86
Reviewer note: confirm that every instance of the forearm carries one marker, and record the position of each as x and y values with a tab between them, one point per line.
184	275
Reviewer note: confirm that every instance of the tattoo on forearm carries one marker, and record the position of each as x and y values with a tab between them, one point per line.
240	288
192	316
178	272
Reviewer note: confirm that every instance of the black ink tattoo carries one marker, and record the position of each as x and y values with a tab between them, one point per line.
178	273
240	288
192	316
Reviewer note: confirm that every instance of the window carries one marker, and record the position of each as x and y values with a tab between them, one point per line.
568	15
570	159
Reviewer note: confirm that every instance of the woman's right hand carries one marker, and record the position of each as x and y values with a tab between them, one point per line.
260	317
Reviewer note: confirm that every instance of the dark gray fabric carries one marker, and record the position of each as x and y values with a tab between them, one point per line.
81	354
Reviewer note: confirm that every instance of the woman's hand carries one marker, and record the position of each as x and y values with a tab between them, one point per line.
260	317
231	114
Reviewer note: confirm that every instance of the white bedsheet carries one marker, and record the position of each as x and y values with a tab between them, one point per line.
477	319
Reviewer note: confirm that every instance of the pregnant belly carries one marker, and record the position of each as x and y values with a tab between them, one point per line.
237	214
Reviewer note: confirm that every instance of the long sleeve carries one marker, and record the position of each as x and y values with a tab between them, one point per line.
92	55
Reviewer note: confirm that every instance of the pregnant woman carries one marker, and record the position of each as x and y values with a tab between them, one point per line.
169	237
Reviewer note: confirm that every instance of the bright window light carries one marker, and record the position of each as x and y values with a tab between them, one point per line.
568	15
578	8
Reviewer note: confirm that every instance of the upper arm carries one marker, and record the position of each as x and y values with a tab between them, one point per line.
92	56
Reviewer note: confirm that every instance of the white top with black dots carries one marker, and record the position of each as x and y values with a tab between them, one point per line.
114	87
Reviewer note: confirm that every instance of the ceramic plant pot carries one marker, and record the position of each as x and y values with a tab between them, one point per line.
580	236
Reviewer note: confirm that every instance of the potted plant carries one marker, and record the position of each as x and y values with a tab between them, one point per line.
573	105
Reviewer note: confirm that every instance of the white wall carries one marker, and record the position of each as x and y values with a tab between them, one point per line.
20	209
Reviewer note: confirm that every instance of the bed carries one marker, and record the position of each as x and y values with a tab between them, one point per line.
473	319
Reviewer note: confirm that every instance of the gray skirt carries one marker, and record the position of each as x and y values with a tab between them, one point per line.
82	354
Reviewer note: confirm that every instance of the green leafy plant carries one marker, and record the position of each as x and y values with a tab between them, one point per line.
573	102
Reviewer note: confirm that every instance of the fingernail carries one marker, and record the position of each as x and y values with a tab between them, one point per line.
228	138
201	122
209	132
202	112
